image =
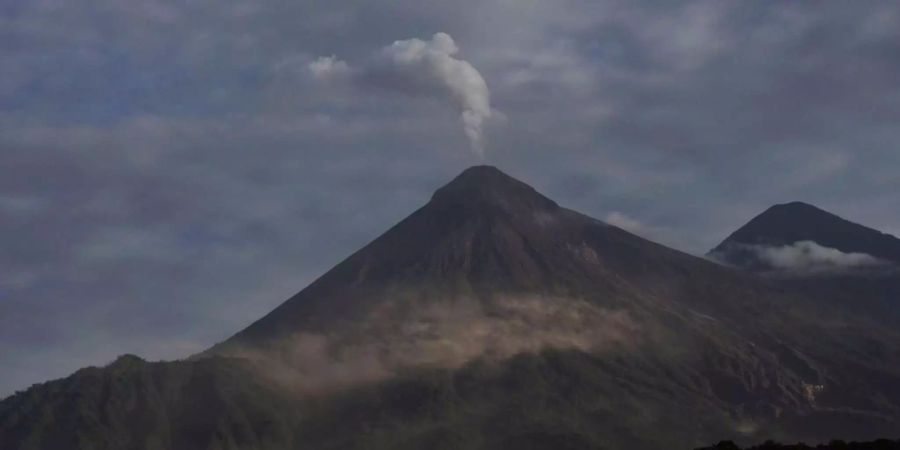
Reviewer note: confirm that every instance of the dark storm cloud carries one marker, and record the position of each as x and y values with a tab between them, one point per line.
170	172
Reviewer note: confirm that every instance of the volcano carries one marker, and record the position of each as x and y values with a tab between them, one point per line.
847	266
494	318
489	243
798	223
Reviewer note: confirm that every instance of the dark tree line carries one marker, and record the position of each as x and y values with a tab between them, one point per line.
881	444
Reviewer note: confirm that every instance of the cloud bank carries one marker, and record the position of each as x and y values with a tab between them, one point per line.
808	257
422	68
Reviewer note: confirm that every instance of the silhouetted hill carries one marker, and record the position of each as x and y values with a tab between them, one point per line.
133	404
791	223
845	265
880	444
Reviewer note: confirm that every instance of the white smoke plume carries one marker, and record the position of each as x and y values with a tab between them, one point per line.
426	68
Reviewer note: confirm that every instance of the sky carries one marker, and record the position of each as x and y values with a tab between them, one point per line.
171	171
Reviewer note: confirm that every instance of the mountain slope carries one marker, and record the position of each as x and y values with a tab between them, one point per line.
486	236
133	404
494	318
482	232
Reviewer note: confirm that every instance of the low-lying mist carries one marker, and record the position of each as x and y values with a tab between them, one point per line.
400	335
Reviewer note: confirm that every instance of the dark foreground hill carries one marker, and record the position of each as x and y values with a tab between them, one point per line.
494	318
880	444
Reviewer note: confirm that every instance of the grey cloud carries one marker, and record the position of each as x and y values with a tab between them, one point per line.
328	67
166	246
808	258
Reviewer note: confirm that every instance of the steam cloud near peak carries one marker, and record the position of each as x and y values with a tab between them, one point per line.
424	68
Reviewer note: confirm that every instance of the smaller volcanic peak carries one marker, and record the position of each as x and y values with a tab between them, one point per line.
484	188
809	229
786	223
